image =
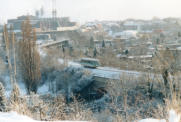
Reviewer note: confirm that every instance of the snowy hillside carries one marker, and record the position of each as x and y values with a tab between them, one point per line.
14	117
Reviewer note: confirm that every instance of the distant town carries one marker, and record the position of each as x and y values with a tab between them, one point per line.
133	41
53	68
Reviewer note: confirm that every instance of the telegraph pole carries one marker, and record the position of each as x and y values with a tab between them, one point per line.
54	16
54	10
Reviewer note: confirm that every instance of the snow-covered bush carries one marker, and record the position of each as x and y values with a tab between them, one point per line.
15	94
18	103
68	80
72	80
75	111
37	106
2	98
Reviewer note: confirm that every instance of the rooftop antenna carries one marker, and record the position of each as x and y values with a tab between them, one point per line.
54	10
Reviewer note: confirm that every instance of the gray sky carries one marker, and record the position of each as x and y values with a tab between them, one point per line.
86	10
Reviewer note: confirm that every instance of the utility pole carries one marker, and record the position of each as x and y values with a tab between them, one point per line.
54	16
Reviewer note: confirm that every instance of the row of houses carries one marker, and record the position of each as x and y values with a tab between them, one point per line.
128	28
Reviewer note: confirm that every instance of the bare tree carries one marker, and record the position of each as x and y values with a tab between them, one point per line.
29	57
13	52
166	62
10	43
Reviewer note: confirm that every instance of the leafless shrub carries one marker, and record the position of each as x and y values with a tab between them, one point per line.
78	112
37	107
51	60
17	103
74	111
111	61
3	100
3	68
166	62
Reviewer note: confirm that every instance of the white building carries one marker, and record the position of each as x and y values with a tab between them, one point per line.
126	34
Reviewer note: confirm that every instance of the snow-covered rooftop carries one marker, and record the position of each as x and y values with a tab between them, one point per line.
89	59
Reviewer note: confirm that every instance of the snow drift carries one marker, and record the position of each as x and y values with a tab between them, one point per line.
14	117
173	117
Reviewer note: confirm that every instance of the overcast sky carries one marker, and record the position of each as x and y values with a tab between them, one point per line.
87	10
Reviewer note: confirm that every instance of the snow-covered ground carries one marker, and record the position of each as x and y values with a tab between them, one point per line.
173	117
14	117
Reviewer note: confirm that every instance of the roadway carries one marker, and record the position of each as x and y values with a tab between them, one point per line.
113	73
